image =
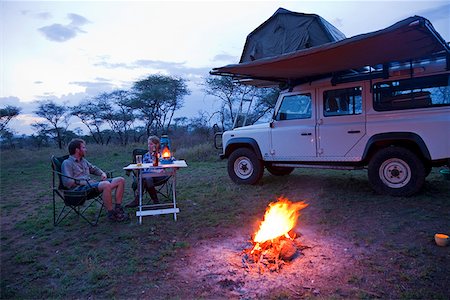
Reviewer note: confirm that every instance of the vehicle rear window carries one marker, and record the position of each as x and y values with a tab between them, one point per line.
412	93
342	102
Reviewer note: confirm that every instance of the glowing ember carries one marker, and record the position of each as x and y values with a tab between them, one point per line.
279	219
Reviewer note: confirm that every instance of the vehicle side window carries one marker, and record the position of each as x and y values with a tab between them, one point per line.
412	93
342	102
294	107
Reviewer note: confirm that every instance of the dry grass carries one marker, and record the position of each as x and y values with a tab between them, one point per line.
379	246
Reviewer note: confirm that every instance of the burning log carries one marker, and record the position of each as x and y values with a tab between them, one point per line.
288	250
274	243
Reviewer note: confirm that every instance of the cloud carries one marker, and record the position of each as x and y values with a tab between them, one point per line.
5	101
44	15
437	13
26	107
94	88
41	15
61	33
108	65
77	20
58	33
158	64
338	22
166	67
225	58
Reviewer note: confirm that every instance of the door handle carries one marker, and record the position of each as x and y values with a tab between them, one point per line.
354	131
306	133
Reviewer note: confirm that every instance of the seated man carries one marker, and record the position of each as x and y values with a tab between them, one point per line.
78	167
149	182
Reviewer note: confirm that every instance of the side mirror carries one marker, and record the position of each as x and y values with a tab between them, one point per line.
272	124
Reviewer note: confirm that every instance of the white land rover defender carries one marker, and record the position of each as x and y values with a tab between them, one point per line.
393	119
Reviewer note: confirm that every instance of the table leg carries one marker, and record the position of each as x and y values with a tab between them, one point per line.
174	193
140	196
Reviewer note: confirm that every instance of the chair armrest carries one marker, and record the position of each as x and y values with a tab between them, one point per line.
76	179
109	174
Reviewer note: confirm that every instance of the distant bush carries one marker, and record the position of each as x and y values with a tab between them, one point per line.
200	152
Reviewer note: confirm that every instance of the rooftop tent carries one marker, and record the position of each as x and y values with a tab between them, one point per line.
410	39
287	31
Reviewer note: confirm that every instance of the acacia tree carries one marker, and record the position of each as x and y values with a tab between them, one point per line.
228	92
89	111
6	114
231	94
264	104
56	120
121	117
157	98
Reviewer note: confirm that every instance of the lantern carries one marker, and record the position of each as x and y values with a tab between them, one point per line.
166	154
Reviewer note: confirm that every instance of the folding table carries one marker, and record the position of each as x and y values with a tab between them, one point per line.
169	169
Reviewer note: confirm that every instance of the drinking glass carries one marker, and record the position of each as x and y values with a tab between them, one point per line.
139	160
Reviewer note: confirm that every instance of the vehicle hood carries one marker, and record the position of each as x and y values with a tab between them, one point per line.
253	127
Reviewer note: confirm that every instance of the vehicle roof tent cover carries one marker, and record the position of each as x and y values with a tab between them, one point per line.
286	31
409	39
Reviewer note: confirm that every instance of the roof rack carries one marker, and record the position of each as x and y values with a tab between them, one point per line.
385	70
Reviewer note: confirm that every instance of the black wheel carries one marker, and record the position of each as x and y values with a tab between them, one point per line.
428	169
279	171
244	167
396	171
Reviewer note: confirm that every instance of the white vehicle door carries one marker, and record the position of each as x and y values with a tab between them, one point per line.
341	121
293	128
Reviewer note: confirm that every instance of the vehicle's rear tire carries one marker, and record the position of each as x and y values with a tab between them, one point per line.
279	171
244	167
396	171
428	169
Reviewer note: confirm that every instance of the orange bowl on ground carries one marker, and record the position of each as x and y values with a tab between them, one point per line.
441	239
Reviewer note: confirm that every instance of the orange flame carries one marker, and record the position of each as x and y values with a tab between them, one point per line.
165	153
279	219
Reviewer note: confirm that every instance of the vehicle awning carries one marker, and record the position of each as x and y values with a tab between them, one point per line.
409	39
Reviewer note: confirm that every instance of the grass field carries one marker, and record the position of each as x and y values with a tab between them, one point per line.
362	245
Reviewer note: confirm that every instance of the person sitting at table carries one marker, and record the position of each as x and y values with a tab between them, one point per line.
149	183
78	170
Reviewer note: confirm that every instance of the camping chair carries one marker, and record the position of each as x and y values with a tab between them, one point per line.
163	187
74	201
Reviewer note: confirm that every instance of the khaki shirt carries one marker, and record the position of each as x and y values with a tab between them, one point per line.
78	169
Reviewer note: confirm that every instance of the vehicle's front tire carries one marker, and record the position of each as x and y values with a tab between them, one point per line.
396	171
244	167
279	171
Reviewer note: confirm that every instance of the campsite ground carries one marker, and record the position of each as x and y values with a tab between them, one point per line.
355	243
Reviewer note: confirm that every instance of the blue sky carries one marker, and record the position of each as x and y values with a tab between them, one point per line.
68	51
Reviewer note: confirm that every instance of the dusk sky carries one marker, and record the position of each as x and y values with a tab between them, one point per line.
67	51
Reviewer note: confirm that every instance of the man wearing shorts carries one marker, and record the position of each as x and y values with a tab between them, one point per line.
76	166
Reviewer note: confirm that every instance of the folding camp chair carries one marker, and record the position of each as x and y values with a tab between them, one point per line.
163	187
83	203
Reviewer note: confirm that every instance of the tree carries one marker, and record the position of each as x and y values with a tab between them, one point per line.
157	98
6	114
228	92
56	115
120	116
40	139
231	94
90	113
264	104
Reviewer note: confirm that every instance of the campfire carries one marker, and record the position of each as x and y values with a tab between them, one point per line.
275	242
